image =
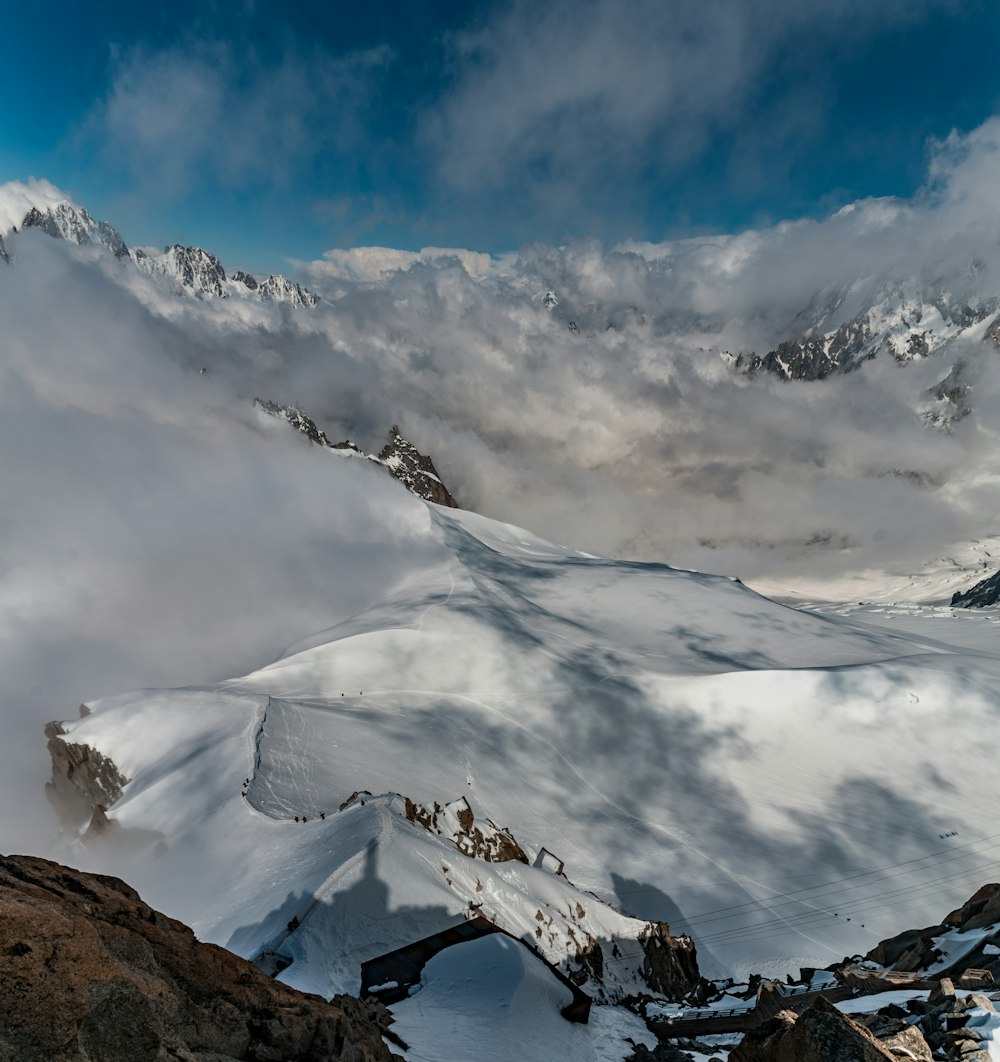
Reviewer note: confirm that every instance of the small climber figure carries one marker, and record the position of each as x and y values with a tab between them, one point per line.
304	819
293	924
322	814
296	818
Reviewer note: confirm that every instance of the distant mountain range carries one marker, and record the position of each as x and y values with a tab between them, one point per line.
905	321
187	270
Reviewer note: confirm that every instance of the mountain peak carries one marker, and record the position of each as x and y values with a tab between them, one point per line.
17	198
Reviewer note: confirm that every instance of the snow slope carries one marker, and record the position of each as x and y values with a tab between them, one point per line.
773	781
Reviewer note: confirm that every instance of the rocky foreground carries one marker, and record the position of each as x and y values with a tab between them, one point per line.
90	973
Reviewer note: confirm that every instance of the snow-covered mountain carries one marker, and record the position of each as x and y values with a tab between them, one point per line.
68	222
904	321
686	750
185	270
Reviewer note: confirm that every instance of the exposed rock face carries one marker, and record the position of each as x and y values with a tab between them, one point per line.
457	822
671	964
952	398
245	279
914	949
90	973
84	783
3	252
414	469
981	909
985	593
820	1034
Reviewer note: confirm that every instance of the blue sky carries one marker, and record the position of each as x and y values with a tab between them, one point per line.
262	130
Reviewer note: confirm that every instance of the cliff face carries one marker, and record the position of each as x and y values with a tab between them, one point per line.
90	973
84	783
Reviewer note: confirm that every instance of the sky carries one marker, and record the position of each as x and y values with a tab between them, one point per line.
265	131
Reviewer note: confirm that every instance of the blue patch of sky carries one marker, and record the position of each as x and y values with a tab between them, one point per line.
822	123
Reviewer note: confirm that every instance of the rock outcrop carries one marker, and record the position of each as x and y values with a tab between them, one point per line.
671	963
820	1034
90	973
985	593
457	821
85	783
896	1035
414	469
915	950
401	459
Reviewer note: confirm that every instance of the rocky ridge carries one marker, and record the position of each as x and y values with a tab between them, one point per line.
90	973
186	270
905	322
985	593
641	959
917	949
399	456
414	469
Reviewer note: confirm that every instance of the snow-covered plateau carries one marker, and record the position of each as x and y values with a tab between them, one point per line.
358	718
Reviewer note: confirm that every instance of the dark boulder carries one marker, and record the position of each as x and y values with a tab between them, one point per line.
90	973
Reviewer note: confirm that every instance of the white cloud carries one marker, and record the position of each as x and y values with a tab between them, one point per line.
180	116
18	197
377	263
567	89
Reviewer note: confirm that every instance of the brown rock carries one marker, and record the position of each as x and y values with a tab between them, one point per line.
896	1036
84	782
981	909
820	1034
670	967
90	973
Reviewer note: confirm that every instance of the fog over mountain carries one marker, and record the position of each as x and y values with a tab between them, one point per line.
581	391
589	393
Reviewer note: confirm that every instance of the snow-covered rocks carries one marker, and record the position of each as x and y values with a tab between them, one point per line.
414	469
904	321
277	288
399	457
187	269
183	270
457	821
67	222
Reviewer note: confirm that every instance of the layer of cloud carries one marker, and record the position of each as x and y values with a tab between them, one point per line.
575	90
207	112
